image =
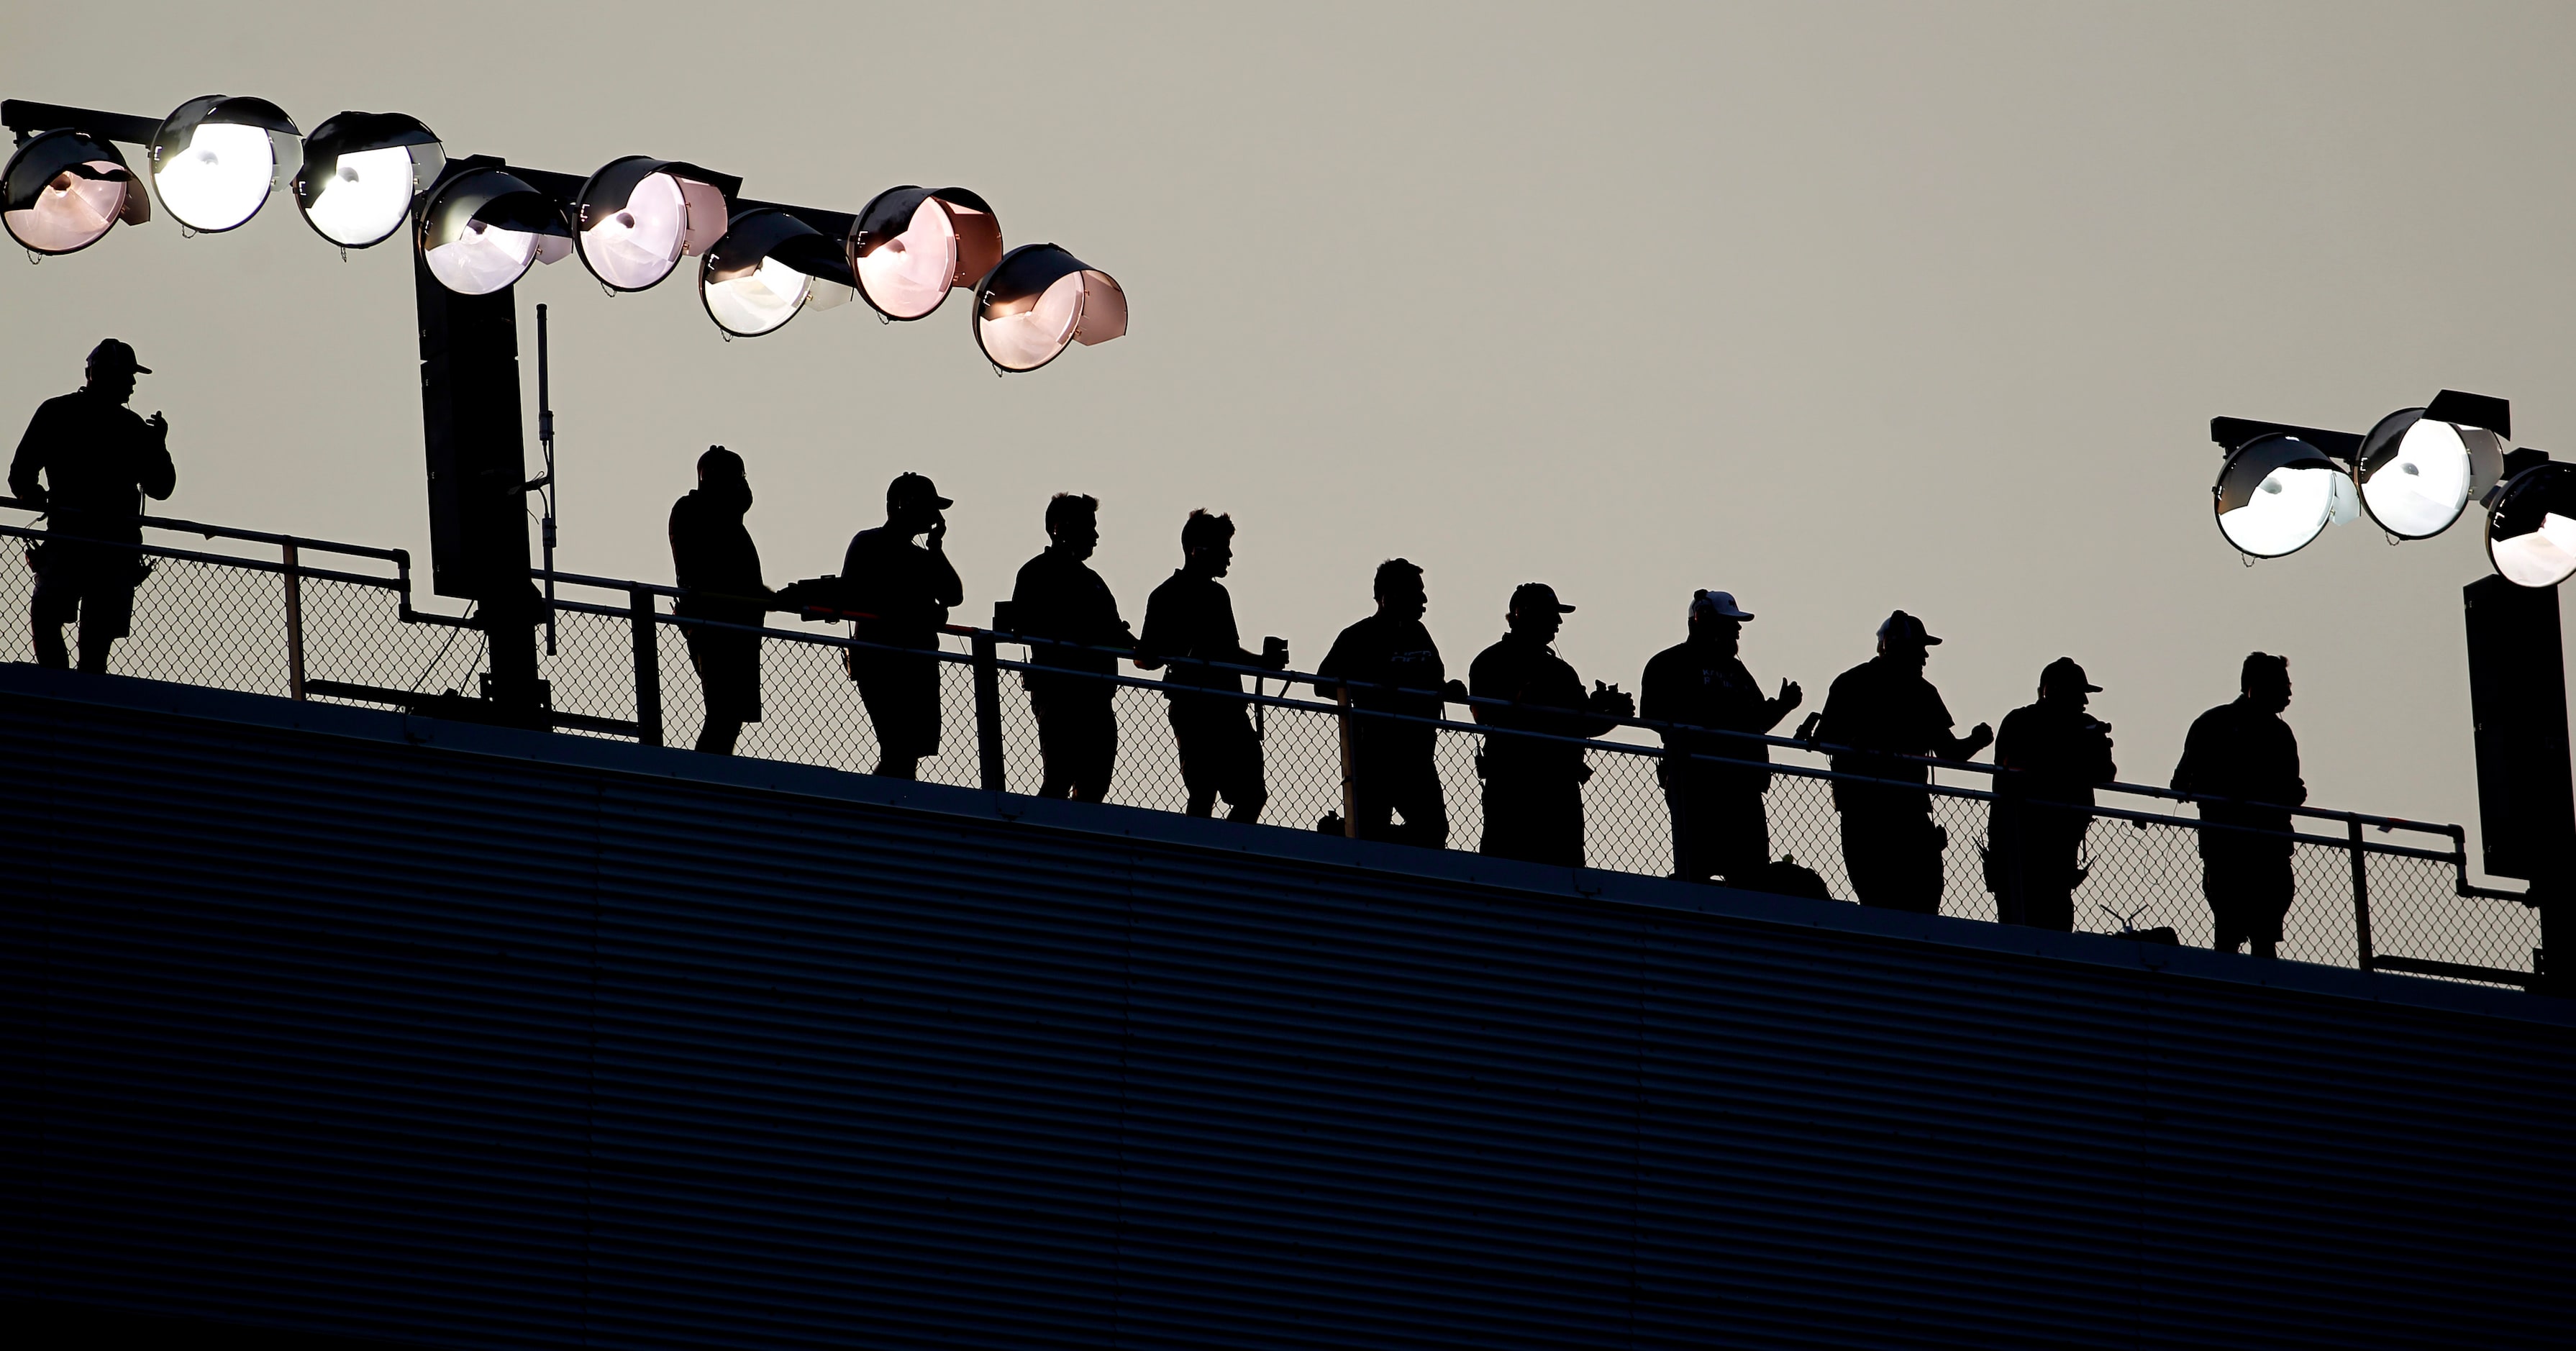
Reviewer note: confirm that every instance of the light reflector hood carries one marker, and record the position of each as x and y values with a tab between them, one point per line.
360	173
216	159
2531	530
637	217
2417	472
2277	493
1038	300
64	190
482	227
910	245
767	268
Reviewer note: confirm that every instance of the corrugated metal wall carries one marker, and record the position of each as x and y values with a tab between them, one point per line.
471	1038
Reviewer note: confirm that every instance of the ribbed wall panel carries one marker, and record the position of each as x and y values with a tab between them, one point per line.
504	1040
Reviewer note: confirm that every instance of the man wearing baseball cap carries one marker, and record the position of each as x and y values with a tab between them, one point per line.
2052	753
1534	787
88	462
1875	713
1719	829
905	590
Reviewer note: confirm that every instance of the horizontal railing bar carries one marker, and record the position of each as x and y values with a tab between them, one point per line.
2420	966
206	531
191	555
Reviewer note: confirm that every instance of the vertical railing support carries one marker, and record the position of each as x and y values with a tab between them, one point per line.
2361	901
294	624
1350	783
648	667
988	709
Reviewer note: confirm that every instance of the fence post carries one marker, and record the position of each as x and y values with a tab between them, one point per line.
2361	901
648	667
294	625
988	709
1350	786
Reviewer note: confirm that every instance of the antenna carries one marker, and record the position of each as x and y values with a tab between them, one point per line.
546	438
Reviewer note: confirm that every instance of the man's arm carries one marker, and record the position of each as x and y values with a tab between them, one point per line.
160	475
950	591
30	460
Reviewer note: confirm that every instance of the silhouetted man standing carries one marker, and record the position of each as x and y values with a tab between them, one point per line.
2052	753
1718	825
2244	751
88	462
1880	710
1190	615
1392	655
718	570
1534	788
906	589
1058	596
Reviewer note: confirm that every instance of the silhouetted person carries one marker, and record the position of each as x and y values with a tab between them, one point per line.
1534	788
1392	772
1718	825
906	588
1880	710
2053	753
718	570
88	462
2243	750
1058	596
1190	615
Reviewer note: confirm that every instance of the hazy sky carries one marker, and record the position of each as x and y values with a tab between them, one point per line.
1840	307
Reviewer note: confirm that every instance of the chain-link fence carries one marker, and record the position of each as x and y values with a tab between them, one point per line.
284	626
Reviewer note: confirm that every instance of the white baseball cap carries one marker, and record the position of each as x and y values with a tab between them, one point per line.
1718	603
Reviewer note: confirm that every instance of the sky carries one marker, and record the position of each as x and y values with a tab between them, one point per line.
1841	308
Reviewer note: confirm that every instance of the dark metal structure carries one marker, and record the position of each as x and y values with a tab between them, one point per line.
342	1021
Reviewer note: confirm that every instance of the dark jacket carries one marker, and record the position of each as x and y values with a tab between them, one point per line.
714	561
906	587
1699	686
1060	597
2237	750
1551	699
1386	652
98	461
1879	710
1193	616
2054	752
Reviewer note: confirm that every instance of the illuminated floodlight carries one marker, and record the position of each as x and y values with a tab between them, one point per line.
360	173
2531	526
2277	493
767	268
637	217
64	190
482	228
1038	300
2421	467
215	159
912	244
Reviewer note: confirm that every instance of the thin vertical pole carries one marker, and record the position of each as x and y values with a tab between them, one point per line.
648	666
294	625
546	438
2361	901
1350	784
988	709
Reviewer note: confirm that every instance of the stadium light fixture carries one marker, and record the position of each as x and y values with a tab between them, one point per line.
215	160
768	267
2278	491
1039	300
64	190
483	226
911	245
360	173
2421	467
637	217
2531	523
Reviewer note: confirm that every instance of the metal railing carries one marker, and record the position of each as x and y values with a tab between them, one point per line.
2371	892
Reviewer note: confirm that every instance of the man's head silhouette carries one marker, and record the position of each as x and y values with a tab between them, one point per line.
1207	543
1073	524
2064	682
112	368
1902	639
2266	681
1716	620
913	504
721	475
1400	594
1536	614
